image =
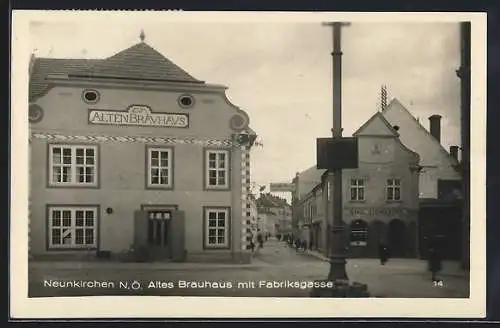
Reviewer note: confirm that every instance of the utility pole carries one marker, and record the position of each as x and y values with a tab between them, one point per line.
337	247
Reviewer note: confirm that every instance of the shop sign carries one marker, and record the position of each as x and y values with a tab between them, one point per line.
376	211
138	115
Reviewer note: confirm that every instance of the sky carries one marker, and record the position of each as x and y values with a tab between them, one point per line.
281	74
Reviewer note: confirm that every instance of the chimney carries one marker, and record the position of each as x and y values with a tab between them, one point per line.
435	126
454	152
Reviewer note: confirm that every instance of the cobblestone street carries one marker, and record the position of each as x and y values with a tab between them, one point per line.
275	262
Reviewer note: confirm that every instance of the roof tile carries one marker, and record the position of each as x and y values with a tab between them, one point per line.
139	62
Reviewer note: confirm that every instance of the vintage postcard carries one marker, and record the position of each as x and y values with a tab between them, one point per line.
184	164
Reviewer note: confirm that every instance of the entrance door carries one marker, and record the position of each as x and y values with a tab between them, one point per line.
397	238
158	225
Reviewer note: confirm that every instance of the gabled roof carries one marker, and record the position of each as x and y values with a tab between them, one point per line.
395	103
375	116
269	200
139	62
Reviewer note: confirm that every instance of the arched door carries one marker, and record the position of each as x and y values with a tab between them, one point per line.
377	235
358	238
397	238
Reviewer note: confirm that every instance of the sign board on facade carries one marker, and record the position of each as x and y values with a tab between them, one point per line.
376	211
337	153
282	187
138	115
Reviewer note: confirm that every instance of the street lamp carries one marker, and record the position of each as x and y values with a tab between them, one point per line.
336	145
336	254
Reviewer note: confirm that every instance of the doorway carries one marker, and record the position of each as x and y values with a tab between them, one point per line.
156	230
397	238
158	226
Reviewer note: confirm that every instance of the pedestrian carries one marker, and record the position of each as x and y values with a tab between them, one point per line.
304	245
260	240
383	253
434	262
297	244
252	245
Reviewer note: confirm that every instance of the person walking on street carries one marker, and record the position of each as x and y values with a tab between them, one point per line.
434	262
383	253
260	240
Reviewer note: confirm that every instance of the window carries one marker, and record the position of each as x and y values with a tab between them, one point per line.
72	227
73	165
217	228
393	190
186	101
91	96
217	169
357	189
160	167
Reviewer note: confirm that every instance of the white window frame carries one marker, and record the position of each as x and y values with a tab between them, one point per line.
226	168
207	227
392	185
159	167
73	166
72	228
354	184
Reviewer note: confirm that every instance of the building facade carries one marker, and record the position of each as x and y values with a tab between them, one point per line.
380	197
276	214
440	182
131	150
252	220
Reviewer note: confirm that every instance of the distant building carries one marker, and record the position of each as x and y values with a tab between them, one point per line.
132	151
380	200
275	214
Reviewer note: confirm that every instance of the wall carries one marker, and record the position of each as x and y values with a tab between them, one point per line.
122	165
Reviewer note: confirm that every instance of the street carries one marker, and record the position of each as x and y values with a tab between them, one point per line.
273	267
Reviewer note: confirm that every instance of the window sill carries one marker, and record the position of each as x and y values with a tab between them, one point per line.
227	188
357	201
393	201
89	186
71	248
160	187
216	247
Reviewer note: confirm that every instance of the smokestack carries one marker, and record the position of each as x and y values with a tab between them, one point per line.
435	126
454	152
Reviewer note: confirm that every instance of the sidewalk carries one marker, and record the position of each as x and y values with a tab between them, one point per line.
159	266
450	268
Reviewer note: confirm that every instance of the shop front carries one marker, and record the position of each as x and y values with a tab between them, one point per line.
371	227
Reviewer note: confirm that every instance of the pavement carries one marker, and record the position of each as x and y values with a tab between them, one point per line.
276	271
